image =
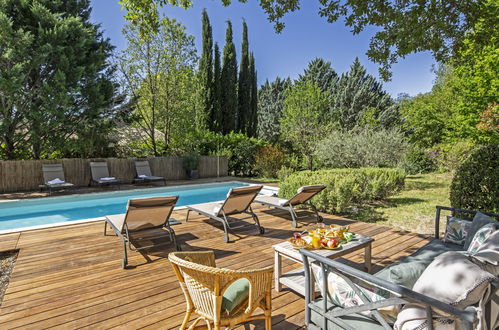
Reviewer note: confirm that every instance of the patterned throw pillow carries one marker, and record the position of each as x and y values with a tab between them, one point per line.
481	236
341	294
456	230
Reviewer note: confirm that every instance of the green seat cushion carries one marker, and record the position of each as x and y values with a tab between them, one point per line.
356	321
235	294
409	269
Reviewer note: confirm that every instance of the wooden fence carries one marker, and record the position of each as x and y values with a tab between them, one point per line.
23	175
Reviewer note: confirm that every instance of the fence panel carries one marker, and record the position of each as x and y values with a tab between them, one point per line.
23	175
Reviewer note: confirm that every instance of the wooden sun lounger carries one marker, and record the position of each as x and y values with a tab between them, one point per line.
302	197
238	201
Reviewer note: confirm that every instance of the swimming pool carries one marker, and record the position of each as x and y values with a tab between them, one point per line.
43	212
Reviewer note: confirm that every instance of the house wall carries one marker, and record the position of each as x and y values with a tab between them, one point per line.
24	175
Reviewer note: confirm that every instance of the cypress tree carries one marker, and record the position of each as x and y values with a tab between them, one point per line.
206	70
321	72
229	83
244	86
253	121
217	92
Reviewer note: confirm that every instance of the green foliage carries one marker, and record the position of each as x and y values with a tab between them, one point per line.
363	147
244	85
217	120
253	118
206	71
358	92
191	161
450	156
418	161
228	82
270	103
346	187
57	90
269	160
320	72
302	119
476	182
403	27
160	76
239	148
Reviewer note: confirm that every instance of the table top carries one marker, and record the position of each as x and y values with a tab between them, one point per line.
358	242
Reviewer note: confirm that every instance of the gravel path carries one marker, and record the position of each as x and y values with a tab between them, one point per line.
7	261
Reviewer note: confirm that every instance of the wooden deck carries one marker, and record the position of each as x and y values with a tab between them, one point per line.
71	277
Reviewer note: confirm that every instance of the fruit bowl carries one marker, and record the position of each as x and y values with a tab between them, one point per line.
332	248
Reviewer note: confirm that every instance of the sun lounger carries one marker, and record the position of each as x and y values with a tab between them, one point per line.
144	173
53	178
302	196
238	201
146	222
100	174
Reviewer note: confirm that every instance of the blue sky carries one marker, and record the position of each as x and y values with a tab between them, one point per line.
305	37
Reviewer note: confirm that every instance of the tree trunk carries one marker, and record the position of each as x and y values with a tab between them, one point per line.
310	162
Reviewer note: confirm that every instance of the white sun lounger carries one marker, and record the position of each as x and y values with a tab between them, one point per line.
303	196
238	201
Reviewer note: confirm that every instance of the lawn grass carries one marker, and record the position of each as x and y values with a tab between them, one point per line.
413	208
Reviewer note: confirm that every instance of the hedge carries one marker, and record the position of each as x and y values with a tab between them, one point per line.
476	182
346	187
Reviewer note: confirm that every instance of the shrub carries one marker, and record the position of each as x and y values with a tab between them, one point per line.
268	161
362	147
450	156
191	161
476	182
284	172
238	147
346	187
418	161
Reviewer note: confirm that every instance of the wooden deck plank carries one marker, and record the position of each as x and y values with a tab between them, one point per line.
9	241
70	277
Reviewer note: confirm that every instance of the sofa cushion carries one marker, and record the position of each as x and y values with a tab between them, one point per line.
413	316
453	279
235	294
481	236
456	230
487	254
479	221
356	321
407	270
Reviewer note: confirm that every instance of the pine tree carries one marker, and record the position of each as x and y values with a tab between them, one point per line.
229	83
206	70
320	72
270	104
217	92
359	94
253	121
244	85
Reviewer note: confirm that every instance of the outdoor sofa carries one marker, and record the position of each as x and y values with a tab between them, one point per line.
441	286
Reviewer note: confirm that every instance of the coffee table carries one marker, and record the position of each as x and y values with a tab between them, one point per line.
295	279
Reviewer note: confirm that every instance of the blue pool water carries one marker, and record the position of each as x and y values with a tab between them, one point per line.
44	211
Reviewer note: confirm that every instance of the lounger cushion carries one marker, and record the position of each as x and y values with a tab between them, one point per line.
356	321
117	221
235	294
271	200
479	221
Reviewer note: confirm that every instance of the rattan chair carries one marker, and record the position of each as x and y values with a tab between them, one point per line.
203	285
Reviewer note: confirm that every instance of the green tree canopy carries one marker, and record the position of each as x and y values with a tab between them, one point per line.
57	89
302	119
270	103
321	72
244	85
206	70
160	76
228	81
404	27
